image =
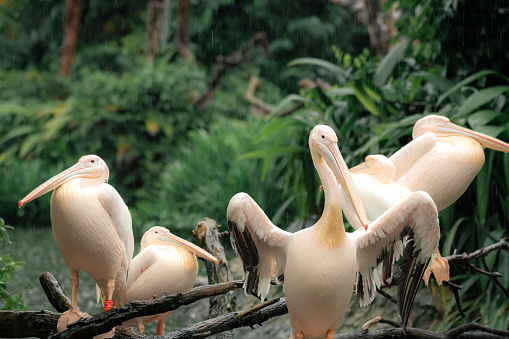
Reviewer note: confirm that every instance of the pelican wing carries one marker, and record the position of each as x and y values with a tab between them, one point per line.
406	156
413	221
120	216
140	263
261	245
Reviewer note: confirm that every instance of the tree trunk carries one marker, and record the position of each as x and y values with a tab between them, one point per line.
155	18
182	39
210	240
71	28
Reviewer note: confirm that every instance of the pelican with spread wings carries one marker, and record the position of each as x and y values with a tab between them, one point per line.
319	265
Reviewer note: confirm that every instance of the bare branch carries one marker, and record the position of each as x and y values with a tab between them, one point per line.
462	258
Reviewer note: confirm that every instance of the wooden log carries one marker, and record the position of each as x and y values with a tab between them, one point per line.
17	324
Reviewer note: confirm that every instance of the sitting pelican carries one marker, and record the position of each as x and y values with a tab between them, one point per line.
92	229
319	265
442	160
166	264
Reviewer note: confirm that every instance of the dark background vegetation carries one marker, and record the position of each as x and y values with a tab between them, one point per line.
175	161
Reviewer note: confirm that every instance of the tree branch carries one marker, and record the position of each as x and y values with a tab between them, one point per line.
462	258
253	316
54	292
235	58
105	321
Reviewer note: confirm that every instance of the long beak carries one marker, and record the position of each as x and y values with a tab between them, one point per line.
56	181
337	164
176	241
360	169
485	140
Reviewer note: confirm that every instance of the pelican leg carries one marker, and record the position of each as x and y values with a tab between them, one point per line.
329	334
141	327
160	326
74	313
298	335
108	303
75	284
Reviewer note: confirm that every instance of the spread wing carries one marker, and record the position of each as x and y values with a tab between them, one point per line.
413	221
120	216
260	244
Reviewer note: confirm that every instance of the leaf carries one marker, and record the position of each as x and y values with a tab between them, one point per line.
438	81
480	98
8	153
447	248
483	185
338	71
29	143
279	213
406	121
462	83
16	132
416	83
274	126
493	131
287	100
342	91
389	62
482	118
365	100
273	152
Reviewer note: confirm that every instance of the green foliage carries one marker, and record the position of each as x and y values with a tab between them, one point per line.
32	30
131	120
8	300
462	36
209	169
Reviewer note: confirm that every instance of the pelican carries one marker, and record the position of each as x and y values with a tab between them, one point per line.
319	265
442	160
376	187
92	229
166	264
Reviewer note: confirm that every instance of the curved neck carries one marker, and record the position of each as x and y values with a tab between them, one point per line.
330	225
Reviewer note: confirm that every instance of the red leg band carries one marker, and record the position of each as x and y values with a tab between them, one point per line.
108	305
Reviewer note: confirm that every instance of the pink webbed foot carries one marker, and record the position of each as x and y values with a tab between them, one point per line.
440	269
70	316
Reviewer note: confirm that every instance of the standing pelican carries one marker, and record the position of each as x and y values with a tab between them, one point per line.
442	160
319	265
166	264
92	229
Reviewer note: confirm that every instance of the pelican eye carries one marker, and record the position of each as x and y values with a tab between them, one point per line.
323	136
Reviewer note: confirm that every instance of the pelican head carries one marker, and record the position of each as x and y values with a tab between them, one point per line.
378	166
90	168
158	235
443	127
323	144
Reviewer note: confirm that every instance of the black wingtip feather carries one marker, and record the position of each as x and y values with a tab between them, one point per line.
411	276
246	248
